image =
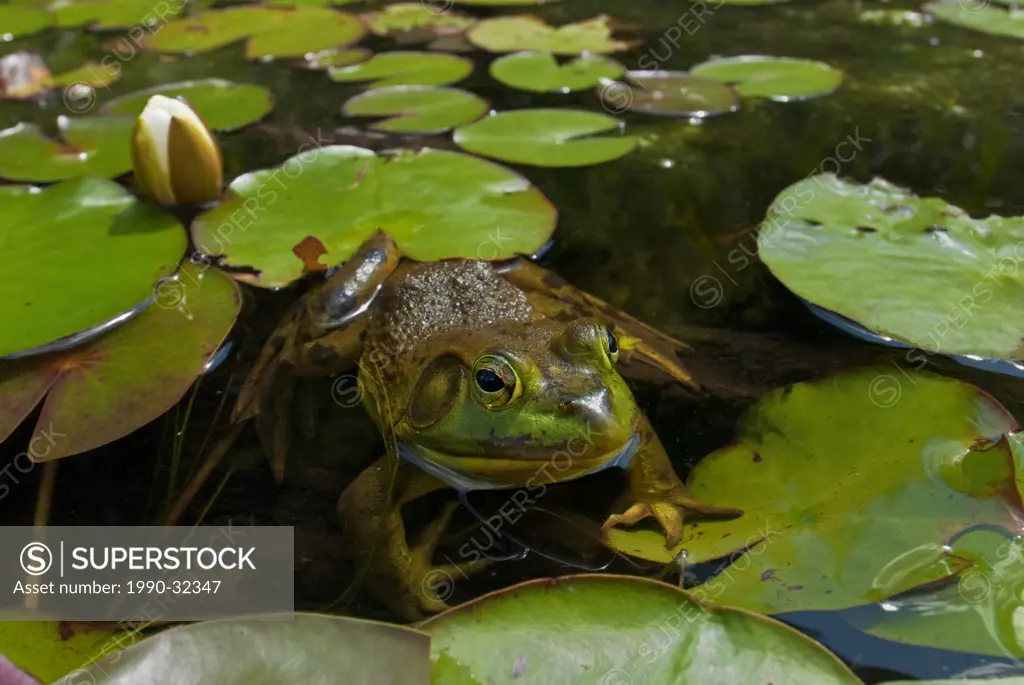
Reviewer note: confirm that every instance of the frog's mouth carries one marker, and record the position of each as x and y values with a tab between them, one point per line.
466	474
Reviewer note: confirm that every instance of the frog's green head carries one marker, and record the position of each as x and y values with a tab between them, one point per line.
513	403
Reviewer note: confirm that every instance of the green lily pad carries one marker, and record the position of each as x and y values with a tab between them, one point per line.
21	21
851	486
113	14
546	137
979	17
669	93
113	385
89	74
67	234
420	109
436	204
975	612
541	73
406	69
528	32
490	3
317	3
223	105
336	58
48	650
406	17
302	648
618	629
273	31
783	79
95	146
960	290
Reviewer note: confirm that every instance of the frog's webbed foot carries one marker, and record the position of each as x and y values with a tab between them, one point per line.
647	354
669	508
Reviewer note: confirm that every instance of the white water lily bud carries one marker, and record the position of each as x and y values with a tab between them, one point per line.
175	158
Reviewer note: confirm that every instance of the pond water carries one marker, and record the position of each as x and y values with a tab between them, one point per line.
667	233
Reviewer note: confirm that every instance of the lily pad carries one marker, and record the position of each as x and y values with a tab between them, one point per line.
273	31
58	276
529	32
48	650
223	105
436	204
851	488
618	629
669	93
784	79
303	648
980	17
21	21
108	388
406	17
420	109
546	137
960	289
336	58
492	3
113	14
89	74
95	146
541	73
403	68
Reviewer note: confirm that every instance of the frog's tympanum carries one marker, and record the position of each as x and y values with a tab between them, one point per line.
477	374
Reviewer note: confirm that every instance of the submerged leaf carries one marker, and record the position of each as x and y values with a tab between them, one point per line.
669	93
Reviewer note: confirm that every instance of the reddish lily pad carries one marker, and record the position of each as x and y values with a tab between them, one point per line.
436	204
94	146
108	388
403	68
529	32
417	109
223	105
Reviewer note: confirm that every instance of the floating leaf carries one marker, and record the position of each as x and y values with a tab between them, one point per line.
96	146
22	75
405	69
113	385
669	93
318	3
545	137
961	287
618	629
979	16
48	650
420	109
113	14
539	72
420	17
751	3
89	74
851	486
489	3
528	32
20	21
272	31
436	204
76	255
780	78
336	58
310	649
223	105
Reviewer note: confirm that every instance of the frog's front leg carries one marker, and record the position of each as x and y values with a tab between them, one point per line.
656	491
400	574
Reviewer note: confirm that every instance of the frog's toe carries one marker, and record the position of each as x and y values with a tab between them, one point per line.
669	510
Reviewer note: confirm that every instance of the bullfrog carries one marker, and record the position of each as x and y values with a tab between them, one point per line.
480	375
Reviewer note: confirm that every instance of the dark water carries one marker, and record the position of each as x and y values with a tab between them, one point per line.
934	108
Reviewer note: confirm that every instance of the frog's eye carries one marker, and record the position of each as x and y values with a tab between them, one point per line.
611	346
497	381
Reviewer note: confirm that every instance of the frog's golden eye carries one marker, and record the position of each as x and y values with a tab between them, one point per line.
611	345
497	381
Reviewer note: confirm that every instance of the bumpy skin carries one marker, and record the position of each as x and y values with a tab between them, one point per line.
479	376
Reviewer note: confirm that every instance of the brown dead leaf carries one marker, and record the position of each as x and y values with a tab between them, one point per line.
309	250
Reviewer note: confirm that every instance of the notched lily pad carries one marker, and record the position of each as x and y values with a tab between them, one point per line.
960	288
111	386
436	204
57	272
784	79
546	137
851	488
223	105
113	14
405	20
540	72
95	146
979	16
529	32
620	629
669	93
16	20
402	68
419	109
